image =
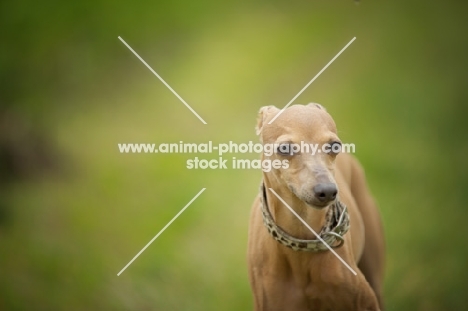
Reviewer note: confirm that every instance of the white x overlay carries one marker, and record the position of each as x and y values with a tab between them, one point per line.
162	80
162	230
313	79
203	121
312	230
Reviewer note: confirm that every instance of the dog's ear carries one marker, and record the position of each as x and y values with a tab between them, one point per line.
317	106
264	114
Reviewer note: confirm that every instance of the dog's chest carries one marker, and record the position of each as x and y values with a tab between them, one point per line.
319	298
325	291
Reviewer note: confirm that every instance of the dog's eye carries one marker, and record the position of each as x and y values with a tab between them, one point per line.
334	148
284	149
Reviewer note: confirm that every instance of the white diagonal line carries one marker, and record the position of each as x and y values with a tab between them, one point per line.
162	80
310	228
162	230
313	79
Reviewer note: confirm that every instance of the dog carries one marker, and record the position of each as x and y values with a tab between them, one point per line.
290	268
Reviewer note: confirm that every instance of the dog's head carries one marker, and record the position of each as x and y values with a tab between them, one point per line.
306	137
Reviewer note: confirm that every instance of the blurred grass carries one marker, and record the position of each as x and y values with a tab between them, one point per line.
398	93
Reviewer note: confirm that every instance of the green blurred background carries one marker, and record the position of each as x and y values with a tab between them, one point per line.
74	211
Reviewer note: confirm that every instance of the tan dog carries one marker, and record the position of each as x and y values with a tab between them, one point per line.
317	187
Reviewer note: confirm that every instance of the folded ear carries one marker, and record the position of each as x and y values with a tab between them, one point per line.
264	114
317	106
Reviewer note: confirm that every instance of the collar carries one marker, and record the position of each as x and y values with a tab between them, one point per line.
336	226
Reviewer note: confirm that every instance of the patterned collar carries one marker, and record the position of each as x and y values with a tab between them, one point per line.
336	226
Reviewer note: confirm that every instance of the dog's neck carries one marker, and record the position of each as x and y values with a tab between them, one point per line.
315	218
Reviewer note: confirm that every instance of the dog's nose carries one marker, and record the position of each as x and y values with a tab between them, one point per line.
325	192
